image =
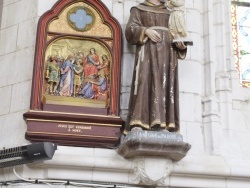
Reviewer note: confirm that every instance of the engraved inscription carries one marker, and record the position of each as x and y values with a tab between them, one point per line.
74	128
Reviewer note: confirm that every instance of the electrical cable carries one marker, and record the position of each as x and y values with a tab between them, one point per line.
60	183
18	184
74	184
87	184
48	182
14	170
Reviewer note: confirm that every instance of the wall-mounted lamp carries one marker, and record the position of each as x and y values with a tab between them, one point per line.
27	154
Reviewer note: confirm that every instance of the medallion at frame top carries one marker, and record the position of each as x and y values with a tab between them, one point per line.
88	13
98	29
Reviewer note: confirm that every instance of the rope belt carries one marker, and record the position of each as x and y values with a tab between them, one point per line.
141	56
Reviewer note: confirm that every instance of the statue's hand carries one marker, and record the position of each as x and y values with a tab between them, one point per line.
153	35
180	45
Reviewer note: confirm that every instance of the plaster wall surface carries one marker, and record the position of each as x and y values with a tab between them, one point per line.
215	110
1	9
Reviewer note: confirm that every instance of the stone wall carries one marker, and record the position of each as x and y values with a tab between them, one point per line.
214	112
17	36
1	9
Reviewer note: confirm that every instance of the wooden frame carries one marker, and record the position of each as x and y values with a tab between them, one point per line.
43	119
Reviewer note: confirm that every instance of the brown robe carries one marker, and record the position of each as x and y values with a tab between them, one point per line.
156	104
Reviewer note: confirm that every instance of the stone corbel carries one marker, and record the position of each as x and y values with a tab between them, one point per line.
153	153
152	171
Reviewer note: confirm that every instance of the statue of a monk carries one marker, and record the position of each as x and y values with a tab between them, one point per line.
154	100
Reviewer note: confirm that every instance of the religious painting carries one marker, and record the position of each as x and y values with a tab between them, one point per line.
76	77
77	72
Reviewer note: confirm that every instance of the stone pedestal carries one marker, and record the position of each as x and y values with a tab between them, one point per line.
154	143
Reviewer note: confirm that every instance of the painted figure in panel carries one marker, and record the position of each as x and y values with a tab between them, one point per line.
52	74
96	82
67	77
78	70
91	63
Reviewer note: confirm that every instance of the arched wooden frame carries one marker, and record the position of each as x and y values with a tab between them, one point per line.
42	44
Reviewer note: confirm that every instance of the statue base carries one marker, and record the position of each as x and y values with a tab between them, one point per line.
154	143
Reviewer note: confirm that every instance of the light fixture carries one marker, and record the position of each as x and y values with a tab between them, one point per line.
27	154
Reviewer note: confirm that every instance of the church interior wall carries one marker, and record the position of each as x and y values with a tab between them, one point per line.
214	109
1	9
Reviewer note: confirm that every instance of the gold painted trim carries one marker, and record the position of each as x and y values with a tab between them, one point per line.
72	135
154	9
70	122
138	122
142	35
171	125
125	132
66	113
157	121
148	3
